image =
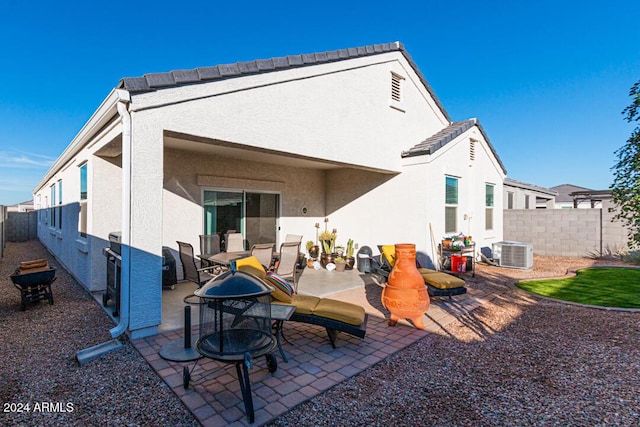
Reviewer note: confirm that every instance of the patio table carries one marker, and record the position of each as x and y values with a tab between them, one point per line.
224	258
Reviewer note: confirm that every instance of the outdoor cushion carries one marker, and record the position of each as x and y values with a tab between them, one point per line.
304	303
251	265
282	289
389	252
442	280
340	311
424	271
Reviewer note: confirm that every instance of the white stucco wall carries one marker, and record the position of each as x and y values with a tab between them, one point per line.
338	113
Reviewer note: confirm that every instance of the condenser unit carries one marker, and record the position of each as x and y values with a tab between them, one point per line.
513	254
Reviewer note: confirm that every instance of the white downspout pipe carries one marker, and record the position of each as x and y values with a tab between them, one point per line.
125	273
91	353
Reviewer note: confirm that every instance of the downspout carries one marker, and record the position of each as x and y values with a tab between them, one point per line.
125	272
96	351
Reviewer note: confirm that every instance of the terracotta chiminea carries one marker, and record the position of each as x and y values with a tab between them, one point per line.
405	294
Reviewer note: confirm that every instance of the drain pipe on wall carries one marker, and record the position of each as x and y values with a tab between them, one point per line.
96	351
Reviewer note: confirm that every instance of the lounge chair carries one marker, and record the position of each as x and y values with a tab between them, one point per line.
438	284
335	316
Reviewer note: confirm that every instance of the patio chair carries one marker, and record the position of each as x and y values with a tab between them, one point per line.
293	238
286	266
209	245
193	270
234	242
264	253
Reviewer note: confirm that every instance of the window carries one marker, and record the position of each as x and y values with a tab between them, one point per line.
509	200
82	222
451	205
59	208
52	207
526	201
489	206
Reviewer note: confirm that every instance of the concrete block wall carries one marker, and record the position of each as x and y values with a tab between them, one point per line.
564	232
21	226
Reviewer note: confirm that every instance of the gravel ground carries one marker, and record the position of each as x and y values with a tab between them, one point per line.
38	365
518	360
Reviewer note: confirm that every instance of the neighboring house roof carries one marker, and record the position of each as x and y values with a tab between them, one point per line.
564	191
448	134
154	81
526	186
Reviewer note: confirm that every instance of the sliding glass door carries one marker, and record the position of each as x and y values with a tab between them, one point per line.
253	214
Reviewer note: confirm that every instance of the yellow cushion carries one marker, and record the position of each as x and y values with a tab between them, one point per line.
442	280
305	304
341	311
424	271
389	252
251	265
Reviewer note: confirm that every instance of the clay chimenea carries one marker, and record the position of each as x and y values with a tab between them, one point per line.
405	295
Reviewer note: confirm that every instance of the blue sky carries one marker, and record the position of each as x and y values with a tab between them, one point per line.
548	79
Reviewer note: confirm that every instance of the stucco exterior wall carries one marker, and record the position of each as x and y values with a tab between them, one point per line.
326	112
188	174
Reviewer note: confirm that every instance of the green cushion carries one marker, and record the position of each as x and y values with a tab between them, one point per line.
340	311
305	304
442	280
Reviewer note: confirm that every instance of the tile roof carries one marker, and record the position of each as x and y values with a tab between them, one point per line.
520	184
155	81
446	135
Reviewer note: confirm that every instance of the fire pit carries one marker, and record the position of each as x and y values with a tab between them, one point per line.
235	327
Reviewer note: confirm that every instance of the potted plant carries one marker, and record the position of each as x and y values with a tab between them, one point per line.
313	250
328	244
340	263
349	258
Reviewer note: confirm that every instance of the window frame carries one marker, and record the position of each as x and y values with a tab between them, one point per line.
83	170
489	205
450	205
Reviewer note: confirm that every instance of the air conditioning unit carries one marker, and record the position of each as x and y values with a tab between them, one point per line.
513	254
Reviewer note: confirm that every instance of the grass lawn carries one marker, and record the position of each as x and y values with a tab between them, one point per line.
605	287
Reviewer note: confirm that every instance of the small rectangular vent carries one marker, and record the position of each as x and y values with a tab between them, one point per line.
395	87
472	150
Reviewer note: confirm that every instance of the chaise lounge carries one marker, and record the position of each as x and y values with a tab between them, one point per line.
335	316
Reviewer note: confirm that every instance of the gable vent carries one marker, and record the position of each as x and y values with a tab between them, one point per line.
472	149
395	87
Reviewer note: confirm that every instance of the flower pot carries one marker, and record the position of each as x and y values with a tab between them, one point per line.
326	259
310	262
405	295
340	266
314	251
351	261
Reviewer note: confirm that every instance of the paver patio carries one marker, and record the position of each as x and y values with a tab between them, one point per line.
214	395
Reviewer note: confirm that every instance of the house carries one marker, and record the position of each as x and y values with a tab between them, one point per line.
21	207
521	195
574	197
268	148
